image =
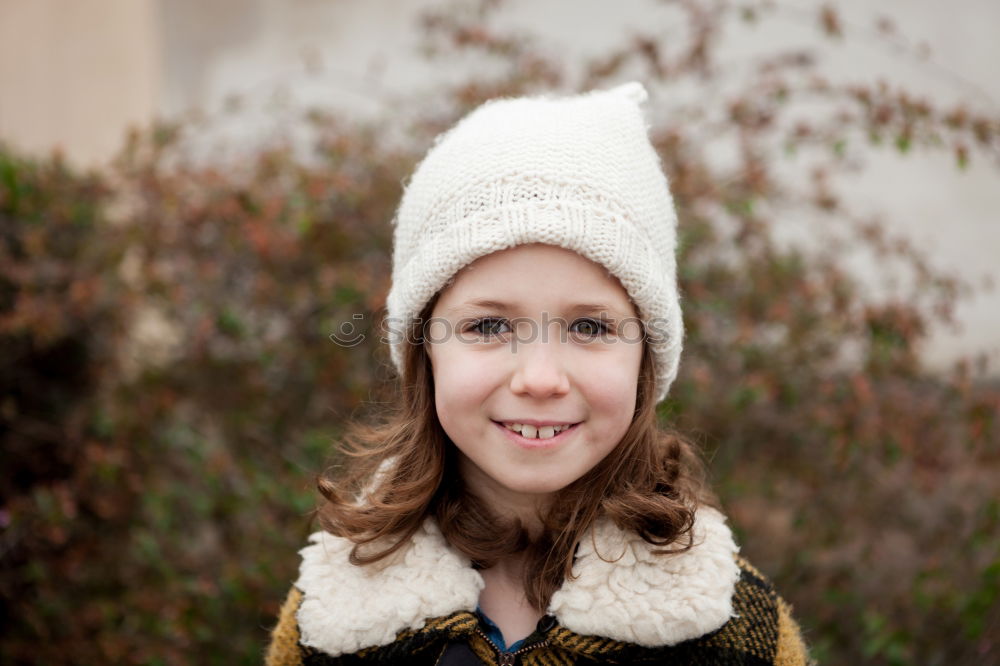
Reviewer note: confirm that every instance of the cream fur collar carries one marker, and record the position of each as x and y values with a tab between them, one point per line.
639	597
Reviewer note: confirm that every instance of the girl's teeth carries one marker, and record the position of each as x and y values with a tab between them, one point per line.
530	431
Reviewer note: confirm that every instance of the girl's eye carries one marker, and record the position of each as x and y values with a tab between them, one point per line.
590	327
489	326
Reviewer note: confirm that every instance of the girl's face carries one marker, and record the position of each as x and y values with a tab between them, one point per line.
535	335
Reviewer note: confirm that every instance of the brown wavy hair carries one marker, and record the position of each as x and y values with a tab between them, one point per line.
401	470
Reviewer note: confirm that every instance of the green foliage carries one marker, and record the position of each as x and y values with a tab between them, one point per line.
170	387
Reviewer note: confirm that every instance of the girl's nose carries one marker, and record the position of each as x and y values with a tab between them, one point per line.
539	370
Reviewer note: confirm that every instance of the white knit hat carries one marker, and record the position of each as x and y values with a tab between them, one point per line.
577	172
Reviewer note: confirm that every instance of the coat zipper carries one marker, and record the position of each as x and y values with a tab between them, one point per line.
510	658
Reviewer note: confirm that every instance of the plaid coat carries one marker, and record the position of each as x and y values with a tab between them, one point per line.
624	605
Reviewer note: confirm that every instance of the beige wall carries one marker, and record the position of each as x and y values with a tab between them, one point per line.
76	74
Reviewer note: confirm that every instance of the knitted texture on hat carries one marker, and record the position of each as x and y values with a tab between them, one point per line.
576	172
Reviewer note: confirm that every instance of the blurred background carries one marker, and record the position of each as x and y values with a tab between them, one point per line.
196	203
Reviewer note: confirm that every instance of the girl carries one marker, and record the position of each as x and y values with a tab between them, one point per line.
522	504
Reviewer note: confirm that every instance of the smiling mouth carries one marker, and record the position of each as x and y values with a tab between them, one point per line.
529	431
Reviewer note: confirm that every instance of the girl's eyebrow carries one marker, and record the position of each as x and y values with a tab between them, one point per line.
500	306
485	304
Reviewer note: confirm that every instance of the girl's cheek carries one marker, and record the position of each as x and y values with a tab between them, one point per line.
612	378
460	368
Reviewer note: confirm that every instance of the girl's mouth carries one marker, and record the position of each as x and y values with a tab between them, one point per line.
532	437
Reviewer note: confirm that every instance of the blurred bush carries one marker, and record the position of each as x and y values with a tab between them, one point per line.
170	387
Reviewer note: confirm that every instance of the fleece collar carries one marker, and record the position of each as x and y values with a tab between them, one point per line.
621	589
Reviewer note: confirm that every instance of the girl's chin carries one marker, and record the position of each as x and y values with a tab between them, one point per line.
535	478
535	484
